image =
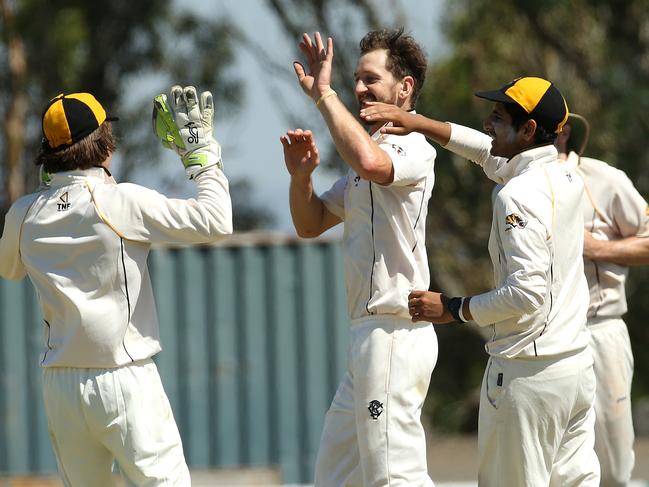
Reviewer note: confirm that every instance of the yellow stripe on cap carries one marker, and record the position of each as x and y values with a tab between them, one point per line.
565	119
55	124
92	103
527	92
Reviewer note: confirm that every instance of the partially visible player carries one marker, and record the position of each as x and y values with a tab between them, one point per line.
372	433
617	226
536	421
83	240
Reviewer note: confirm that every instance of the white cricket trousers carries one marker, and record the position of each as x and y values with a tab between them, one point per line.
536	423
372	435
614	435
96	416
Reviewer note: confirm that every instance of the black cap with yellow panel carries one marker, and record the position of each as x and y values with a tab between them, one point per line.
538	97
69	118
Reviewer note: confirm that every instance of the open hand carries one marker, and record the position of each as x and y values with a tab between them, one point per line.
428	306
300	153
402	122
317	81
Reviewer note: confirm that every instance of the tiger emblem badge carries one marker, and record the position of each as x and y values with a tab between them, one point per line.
514	220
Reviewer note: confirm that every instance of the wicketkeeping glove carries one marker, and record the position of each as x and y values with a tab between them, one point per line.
44	178
184	125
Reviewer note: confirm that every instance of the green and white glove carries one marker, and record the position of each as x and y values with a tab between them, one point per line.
185	126
44	178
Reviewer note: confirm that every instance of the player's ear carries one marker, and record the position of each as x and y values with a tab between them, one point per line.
407	88
561	142
528	129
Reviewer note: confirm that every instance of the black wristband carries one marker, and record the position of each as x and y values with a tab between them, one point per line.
453	305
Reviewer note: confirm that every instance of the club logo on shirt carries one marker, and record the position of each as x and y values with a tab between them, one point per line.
399	150
357	179
375	408
64	203
514	220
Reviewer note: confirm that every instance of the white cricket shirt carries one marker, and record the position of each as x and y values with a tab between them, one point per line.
613	209
384	228
84	243
538	307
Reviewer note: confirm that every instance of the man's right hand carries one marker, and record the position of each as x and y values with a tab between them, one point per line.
317	81
429	306
184	124
300	153
403	122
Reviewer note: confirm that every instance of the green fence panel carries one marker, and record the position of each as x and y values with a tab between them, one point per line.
254	340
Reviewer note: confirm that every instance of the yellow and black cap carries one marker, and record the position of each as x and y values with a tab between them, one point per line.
69	118
538	97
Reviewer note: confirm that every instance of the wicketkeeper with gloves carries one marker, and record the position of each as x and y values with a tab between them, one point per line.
83	240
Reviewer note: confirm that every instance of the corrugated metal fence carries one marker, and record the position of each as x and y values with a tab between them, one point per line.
254	339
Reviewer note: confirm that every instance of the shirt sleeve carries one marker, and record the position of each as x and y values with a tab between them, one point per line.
11	265
334	197
412	158
476	147
527	255
629	209
141	214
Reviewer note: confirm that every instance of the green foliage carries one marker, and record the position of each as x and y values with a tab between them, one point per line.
637	289
454	392
107	47
247	214
77	45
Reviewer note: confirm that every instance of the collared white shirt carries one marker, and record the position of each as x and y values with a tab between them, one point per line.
84	243
538	307
613	209
384	228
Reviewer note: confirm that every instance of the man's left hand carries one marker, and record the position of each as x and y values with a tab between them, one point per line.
317	81
428	306
591	246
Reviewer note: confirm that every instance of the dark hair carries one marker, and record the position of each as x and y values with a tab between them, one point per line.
405	56
88	152
574	145
519	116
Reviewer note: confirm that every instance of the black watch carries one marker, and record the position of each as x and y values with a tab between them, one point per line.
453	305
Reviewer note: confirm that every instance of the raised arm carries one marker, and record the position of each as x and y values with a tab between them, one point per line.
463	141
352	141
310	216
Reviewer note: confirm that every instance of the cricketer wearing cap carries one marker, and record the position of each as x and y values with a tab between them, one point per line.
536	406
616	219
83	240
372	433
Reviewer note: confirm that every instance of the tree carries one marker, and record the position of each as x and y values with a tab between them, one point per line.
247	214
105	47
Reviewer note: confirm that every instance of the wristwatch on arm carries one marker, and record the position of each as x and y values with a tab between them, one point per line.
455	306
